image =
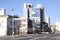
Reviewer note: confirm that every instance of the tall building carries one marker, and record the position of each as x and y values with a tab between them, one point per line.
47	20
34	17
27	6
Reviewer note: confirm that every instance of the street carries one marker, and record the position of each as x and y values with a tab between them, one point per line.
33	37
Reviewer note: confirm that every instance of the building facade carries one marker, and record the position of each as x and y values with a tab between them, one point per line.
2	11
3	22
33	18
13	25
26	15
57	26
23	25
3	25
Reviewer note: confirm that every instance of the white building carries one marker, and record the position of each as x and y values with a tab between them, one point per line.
2	11
26	7
35	17
47	20
3	25
25	14
8	26
23	25
57	27
34	13
52	28
3	22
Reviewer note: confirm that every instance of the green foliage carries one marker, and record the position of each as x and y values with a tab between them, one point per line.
14	16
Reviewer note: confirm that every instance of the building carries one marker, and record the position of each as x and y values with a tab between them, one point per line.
26	8
26	15
41	21
3	22
13	25
23	26
57	26
8	26
47	20
3	25
33	18
2	11
52	28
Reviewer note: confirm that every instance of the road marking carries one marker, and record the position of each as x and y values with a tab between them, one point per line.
24	37
38	37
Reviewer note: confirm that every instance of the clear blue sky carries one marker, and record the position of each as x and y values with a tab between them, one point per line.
52	7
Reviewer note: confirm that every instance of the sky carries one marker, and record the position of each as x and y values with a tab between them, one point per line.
51	7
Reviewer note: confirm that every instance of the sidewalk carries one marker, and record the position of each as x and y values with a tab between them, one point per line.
21	35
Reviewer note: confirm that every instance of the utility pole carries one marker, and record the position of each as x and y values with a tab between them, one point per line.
12	23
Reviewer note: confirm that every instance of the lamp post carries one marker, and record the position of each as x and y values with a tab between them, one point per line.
12	23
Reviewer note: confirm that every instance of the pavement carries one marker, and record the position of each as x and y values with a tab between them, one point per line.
33	37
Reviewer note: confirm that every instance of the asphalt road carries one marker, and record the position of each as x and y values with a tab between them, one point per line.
33	37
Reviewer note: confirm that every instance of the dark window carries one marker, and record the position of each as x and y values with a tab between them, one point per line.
10	22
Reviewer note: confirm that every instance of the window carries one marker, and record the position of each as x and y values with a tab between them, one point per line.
10	22
24	25
24	20
35	12
14	23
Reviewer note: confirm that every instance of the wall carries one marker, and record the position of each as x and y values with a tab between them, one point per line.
3	25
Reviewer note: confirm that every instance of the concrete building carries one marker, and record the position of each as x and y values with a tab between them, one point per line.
13	25
27	6
25	9
3	25
57	26
31	18
8	26
52	28
47	20
23	25
3	22
35	17
2	11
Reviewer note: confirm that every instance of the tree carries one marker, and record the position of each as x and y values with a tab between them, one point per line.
14	16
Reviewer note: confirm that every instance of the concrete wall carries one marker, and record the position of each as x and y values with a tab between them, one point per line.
57	26
3	26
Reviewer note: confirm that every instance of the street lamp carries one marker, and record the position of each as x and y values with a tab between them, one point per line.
12	23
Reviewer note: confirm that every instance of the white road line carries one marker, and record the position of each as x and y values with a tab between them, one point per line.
38	37
24	37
